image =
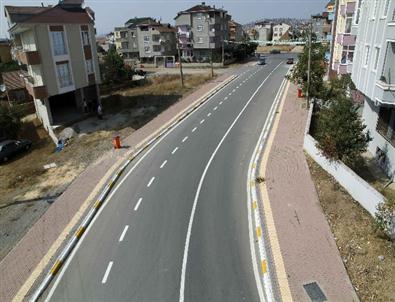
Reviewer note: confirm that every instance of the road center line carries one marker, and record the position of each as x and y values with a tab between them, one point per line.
194	129
225	98
184	139
175	150
189	231
123	233
163	164
151	181
215	108
202	121
220	103
138	204
109	266
208	114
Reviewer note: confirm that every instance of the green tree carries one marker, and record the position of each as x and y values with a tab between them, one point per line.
340	132
10	123
114	68
317	70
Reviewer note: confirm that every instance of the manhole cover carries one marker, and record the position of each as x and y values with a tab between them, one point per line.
314	291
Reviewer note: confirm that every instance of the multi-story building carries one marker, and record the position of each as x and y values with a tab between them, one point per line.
126	40
373	73
156	43
236	32
281	32
264	31
55	46
202	29
344	41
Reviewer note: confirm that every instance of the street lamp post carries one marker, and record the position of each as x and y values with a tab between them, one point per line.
179	59
209	45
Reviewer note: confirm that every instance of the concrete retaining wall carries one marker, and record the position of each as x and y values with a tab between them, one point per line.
359	189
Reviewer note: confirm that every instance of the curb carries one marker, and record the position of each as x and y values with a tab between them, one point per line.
110	184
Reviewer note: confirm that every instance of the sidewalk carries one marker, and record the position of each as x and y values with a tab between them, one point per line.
36	250
309	252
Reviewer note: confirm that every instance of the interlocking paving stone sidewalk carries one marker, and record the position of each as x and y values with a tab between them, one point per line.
307	245
20	262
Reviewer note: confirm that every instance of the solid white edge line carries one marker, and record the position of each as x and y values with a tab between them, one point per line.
123	233
189	231
109	266
175	125
151	181
136	207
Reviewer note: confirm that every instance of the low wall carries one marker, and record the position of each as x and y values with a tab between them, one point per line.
359	189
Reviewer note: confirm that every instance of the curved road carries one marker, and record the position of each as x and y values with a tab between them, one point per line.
176	227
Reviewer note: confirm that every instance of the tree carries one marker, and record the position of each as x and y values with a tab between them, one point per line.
114	68
10	123
317	70
340	132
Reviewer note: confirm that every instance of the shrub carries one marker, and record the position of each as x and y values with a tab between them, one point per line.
10	123
384	217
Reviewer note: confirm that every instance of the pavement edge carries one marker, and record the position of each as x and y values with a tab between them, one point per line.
105	192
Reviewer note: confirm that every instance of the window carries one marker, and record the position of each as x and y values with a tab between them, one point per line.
347	54
64	74
374	11
123	34
156	48
133	34
147	49
200	40
124	45
85	37
146	39
89	66
200	28
155	38
367	53
348	24
386	124
376	57
386	7
358	12
199	16
58	43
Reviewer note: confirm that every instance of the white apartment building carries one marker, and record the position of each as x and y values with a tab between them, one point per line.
373	73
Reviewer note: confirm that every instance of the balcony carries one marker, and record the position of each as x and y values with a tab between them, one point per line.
350	8
385	92
348	40
27	57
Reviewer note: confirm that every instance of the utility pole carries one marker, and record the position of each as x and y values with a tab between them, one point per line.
309	65
179	59
209	45
223	52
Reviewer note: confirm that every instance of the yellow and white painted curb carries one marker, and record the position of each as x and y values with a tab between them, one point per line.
110	184
254	202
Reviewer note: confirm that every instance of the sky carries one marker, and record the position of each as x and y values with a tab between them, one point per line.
112	13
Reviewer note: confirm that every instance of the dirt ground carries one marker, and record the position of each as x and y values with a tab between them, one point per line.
267	49
27	189
368	255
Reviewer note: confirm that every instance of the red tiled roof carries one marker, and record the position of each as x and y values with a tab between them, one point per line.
202	8
12	80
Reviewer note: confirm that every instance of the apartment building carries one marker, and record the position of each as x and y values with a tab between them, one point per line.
156	43
202	29
281	32
373	73
55	46
264	31
126	40
236	32
344	40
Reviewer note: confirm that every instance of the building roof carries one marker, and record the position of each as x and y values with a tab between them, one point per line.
136	21
67	11
13	80
201	8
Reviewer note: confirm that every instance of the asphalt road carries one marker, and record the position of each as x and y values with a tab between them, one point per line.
166	227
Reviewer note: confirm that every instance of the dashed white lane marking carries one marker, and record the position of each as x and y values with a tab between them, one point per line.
194	129
233	90
220	103
163	164
175	150
109	266
184	139
123	233
230	93
151	181
202	121
215	108
138	204
225	98
208	114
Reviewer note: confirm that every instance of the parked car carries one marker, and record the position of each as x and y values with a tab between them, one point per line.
290	61
262	61
10	148
275	51
140	72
